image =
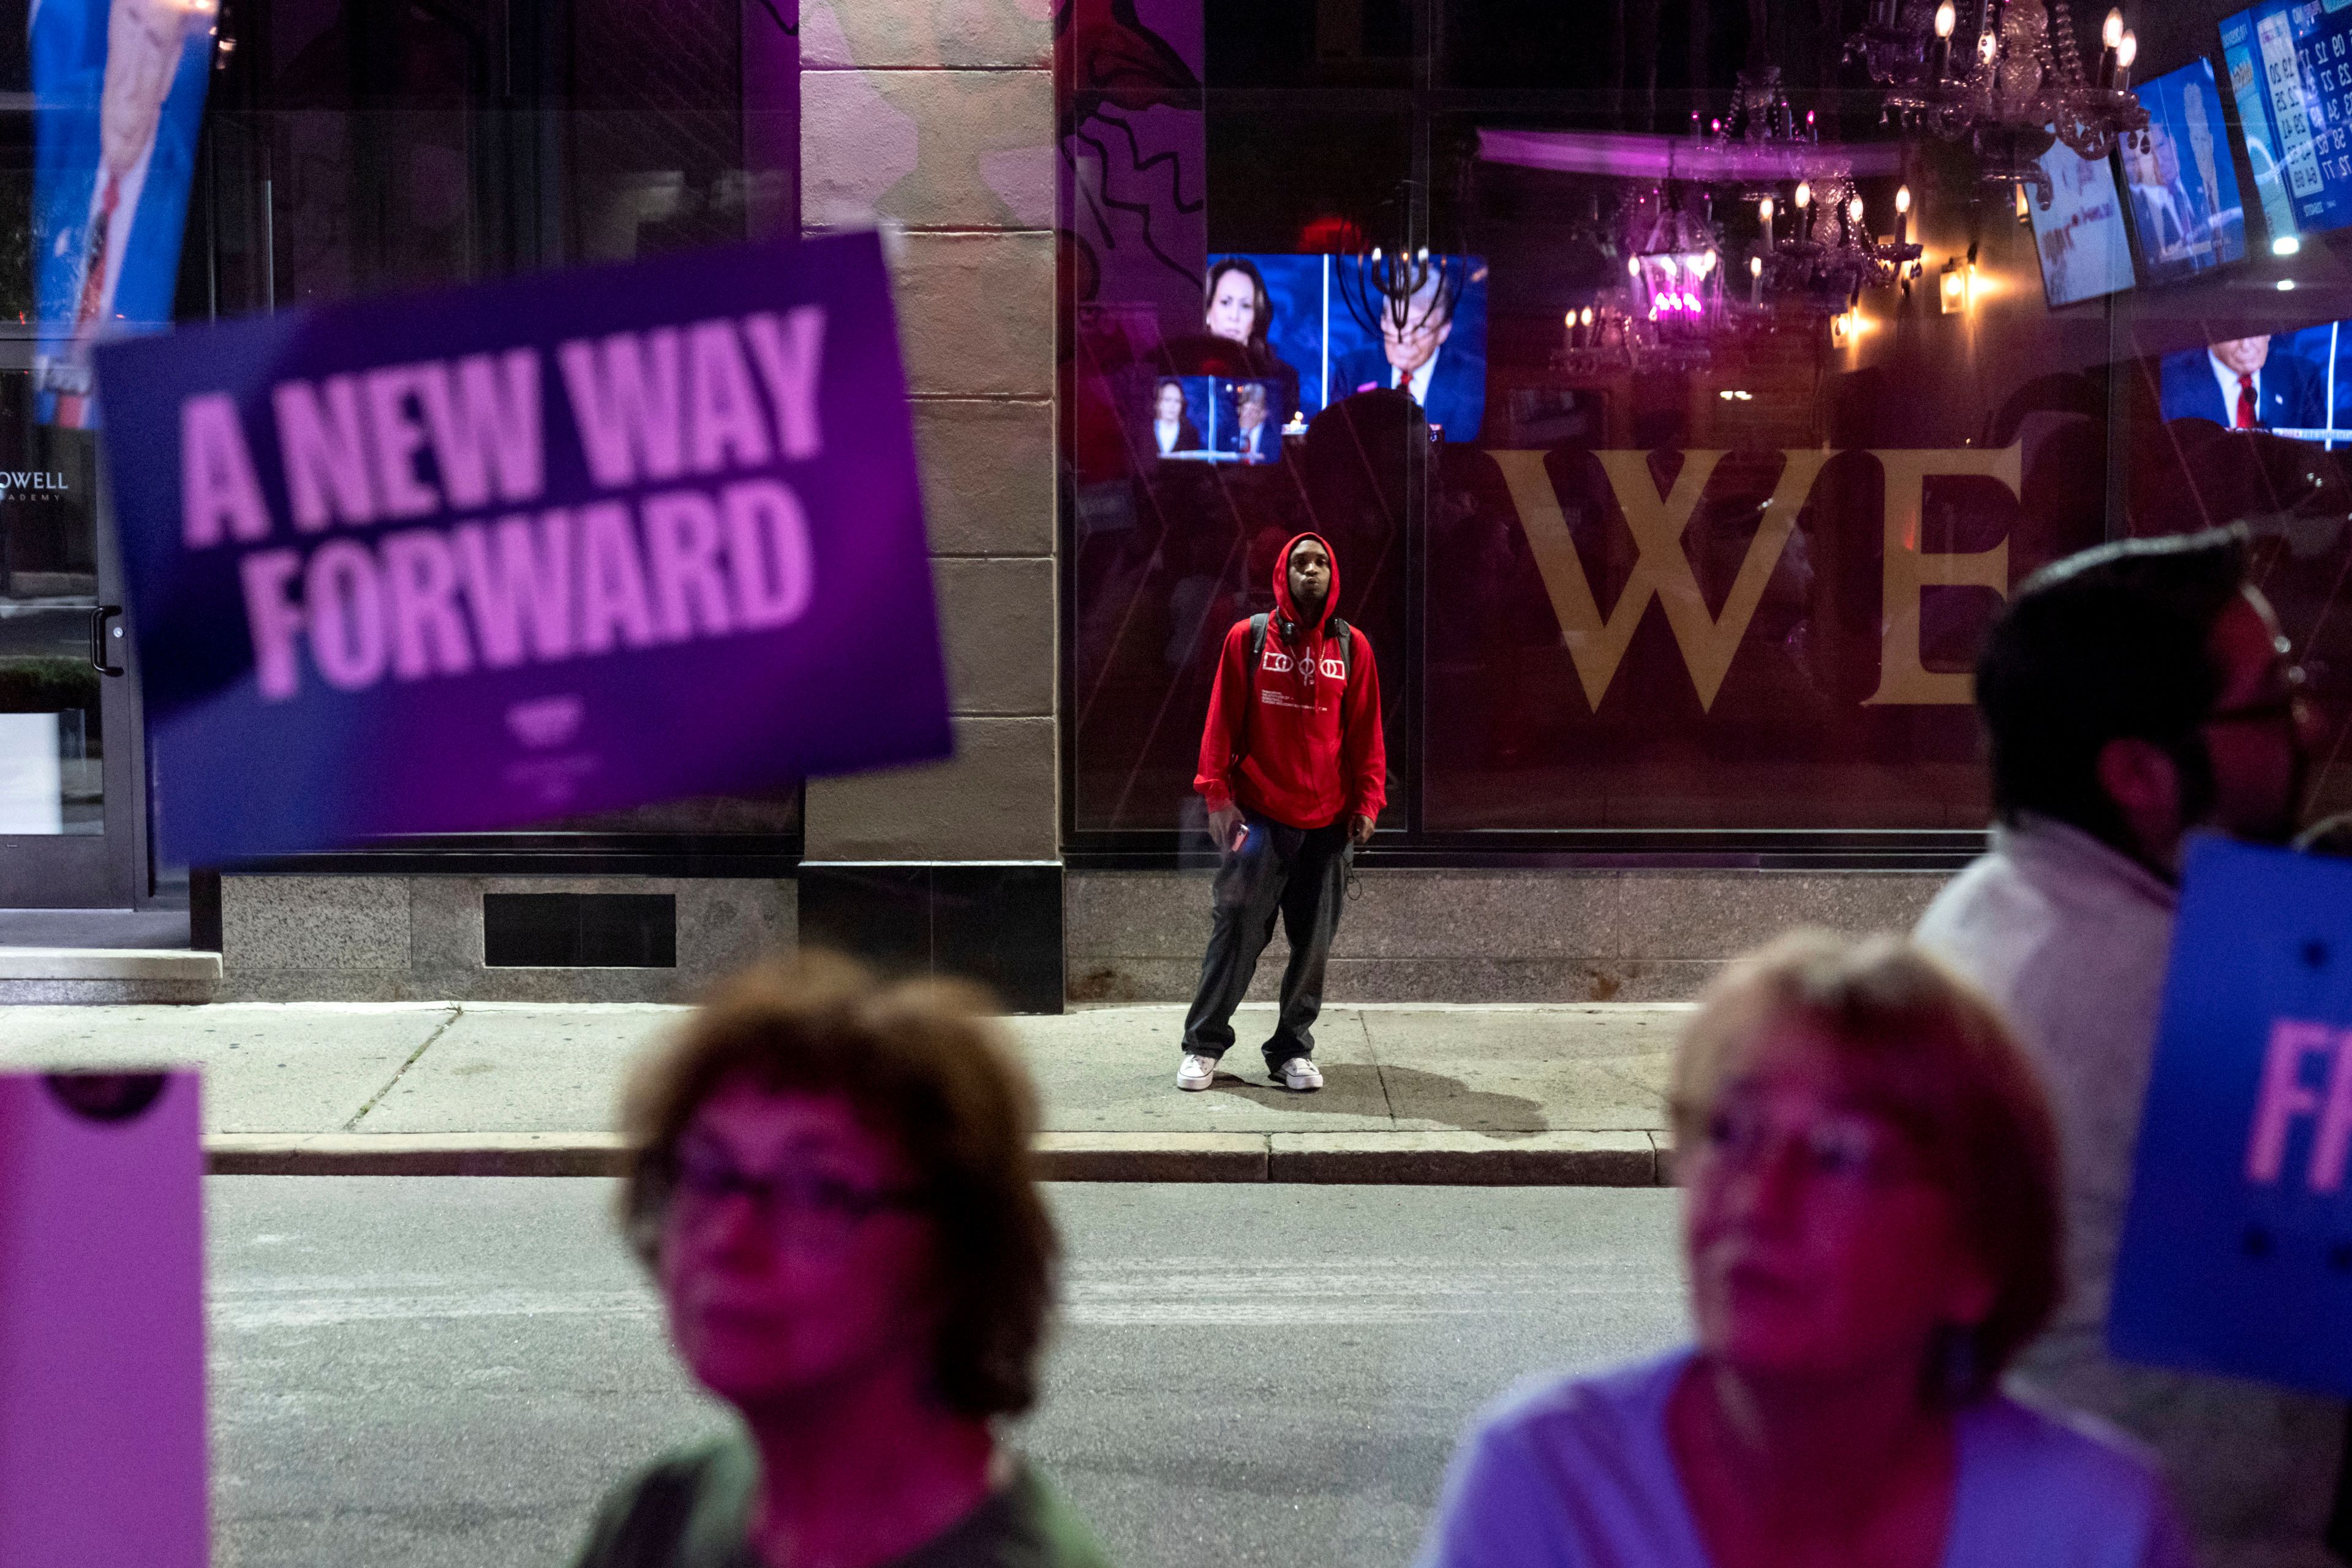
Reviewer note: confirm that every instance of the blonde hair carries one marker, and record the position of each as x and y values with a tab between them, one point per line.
1922	1047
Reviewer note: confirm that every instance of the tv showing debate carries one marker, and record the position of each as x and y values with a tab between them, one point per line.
2182	187
2296	383
1331	337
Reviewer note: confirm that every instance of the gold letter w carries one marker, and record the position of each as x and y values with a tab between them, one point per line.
1660	570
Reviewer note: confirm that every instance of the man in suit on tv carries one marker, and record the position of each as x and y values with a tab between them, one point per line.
2237	385
1253	438
1450	387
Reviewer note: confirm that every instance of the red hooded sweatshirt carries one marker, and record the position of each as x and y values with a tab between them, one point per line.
1298	740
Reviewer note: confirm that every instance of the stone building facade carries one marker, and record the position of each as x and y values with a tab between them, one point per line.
1642	714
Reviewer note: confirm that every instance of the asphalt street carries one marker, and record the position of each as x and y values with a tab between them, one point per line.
447	1373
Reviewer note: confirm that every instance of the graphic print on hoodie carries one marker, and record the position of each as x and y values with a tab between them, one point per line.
1298	740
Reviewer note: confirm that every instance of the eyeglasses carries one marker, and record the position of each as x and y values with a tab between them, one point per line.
2287	705
1848	1150
822	1211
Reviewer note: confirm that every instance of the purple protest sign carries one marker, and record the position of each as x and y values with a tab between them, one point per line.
102	1320
564	544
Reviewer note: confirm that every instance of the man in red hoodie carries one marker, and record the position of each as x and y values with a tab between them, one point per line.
1294	772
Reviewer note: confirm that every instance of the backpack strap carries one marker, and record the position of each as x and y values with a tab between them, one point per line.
1336	627
1257	624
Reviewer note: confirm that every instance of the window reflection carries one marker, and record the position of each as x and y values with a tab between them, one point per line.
1687	508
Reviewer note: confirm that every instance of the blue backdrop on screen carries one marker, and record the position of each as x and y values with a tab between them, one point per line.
2290	64
2307	383
569	543
112	162
2182	191
1335	354
2237	1246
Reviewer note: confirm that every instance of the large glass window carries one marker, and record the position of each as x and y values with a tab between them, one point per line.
354	148
1678	425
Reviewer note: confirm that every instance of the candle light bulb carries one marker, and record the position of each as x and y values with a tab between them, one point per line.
1903	198
2126	51
1587	315
1756	267
1987	45
1804	195
2111	33
1666	265
1633	267
1853	209
1764	210
1947	18
2022	214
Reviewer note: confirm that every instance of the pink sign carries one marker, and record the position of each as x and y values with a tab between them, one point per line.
101	1322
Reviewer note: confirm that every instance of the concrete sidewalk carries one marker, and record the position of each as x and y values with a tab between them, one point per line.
1478	1095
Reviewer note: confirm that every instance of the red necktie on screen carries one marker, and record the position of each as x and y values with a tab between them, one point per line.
2245	401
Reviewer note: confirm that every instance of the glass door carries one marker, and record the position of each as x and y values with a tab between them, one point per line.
70	812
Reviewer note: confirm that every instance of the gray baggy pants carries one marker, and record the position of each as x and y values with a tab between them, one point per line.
1301	874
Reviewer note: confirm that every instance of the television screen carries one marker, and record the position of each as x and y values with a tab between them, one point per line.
2181	188
2249	90
2290	65
1212	419
1323	329
2296	383
2080	235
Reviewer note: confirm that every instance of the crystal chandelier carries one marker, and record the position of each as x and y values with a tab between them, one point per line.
2019	88
1823	251
1674	298
1813	244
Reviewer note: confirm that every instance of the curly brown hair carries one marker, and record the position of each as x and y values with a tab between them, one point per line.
921	1064
1929	1052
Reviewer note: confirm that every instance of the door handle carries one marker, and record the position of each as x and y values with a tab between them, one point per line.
98	619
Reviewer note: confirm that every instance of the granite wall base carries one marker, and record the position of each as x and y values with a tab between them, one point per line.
400	939
1458	935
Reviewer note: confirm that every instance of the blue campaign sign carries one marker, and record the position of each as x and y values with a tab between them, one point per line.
2237	1249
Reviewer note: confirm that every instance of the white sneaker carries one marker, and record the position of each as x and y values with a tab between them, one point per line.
1299	1073
1198	1072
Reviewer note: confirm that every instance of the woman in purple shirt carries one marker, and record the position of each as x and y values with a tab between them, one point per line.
1871	1230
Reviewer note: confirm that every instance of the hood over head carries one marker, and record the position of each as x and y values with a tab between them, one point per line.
1287	612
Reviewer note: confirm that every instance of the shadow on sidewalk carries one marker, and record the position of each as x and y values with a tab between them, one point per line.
1353	1088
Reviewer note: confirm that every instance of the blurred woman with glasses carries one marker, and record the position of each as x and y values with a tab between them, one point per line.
830	1180
1871	1231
